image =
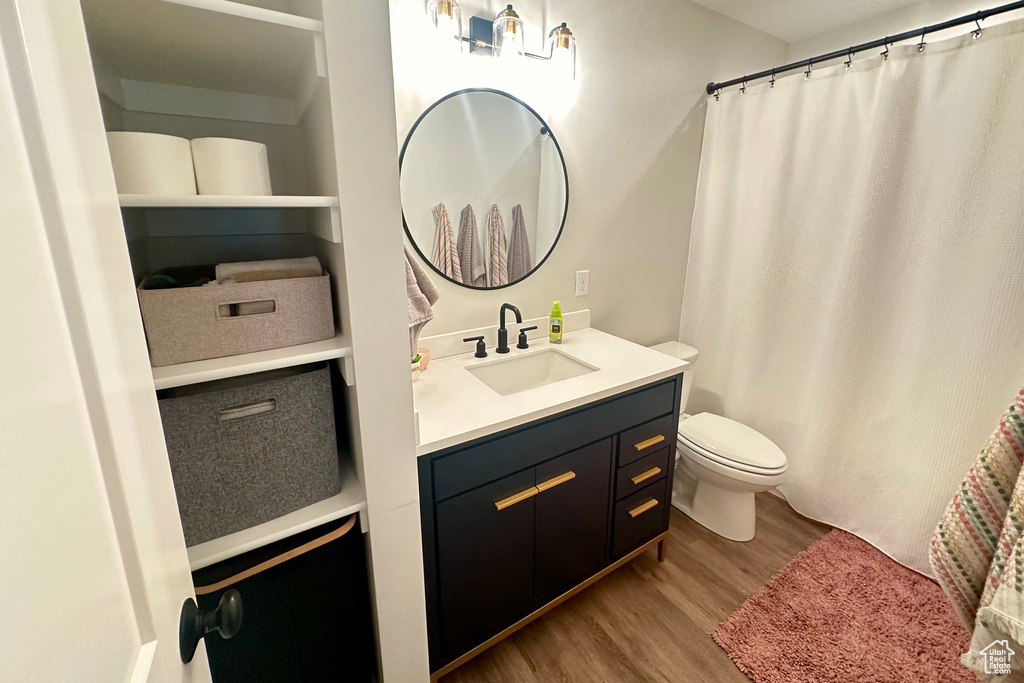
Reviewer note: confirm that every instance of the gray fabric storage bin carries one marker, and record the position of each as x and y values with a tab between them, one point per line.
247	450
196	323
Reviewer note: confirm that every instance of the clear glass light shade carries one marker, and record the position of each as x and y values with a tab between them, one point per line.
562	48
508	35
446	16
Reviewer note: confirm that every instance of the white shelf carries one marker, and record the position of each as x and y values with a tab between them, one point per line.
323	214
218	201
246	364
257	13
351	500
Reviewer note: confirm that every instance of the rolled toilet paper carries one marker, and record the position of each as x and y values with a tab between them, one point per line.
230	166
151	163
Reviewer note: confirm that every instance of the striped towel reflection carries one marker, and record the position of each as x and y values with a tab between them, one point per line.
498	273
519	263
445	256
470	254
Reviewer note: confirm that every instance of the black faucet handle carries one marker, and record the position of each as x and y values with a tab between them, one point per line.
522	337
481	348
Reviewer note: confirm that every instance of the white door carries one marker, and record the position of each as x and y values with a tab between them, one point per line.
93	567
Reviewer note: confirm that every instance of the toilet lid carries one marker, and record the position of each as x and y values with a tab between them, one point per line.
731	441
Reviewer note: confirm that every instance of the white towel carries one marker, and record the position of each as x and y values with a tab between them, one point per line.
498	274
519	262
445	255
471	256
226	270
421	294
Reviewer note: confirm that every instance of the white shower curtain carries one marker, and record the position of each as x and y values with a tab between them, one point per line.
855	282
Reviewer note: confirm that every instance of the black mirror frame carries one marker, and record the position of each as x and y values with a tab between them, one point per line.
545	129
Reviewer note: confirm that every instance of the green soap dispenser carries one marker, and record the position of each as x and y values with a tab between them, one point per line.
555	335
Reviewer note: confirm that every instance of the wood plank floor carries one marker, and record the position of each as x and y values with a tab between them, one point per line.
648	621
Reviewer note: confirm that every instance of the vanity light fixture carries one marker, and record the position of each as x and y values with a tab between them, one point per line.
503	38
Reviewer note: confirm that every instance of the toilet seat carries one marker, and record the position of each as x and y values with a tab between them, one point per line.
731	444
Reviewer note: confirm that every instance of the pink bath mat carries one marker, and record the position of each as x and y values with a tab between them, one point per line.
843	612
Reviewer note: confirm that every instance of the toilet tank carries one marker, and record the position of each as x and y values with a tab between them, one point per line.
682	352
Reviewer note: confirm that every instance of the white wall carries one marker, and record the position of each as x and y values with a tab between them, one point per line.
630	127
905	19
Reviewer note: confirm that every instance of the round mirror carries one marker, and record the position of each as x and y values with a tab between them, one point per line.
485	191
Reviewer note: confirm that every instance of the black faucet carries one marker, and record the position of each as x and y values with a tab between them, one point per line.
502	332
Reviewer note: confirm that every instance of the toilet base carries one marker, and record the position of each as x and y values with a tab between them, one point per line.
728	513
731	514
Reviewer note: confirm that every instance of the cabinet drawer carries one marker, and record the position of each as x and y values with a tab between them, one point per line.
647	438
643	472
494	457
640	517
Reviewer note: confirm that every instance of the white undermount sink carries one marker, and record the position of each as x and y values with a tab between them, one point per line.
529	371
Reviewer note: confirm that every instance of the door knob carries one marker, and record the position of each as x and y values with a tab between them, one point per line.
195	623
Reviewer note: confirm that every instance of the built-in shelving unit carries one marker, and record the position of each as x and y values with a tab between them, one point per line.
222	68
246	364
351	500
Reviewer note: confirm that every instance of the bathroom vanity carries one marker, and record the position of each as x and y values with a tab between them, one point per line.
537	479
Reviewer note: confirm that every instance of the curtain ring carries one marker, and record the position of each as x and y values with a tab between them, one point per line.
849	60
885	55
977	22
807	74
718	94
771	83
922	44
743	88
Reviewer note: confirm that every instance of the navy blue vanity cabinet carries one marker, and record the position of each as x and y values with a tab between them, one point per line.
518	521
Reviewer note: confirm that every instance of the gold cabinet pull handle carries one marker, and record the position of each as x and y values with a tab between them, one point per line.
649	442
653	502
560	479
644	476
517	498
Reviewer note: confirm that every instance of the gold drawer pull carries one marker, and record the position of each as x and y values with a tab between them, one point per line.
644	476
653	502
649	442
517	498
560	479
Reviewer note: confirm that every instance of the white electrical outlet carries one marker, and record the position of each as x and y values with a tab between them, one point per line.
582	282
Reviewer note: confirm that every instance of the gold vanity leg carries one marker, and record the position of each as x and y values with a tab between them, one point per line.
662	547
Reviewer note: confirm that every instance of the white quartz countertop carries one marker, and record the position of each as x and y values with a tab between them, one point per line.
455	407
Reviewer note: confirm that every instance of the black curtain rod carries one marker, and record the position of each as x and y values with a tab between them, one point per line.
881	42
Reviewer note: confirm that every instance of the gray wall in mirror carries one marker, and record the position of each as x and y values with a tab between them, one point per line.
482	148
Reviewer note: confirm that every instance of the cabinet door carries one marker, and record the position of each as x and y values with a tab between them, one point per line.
572	518
485	560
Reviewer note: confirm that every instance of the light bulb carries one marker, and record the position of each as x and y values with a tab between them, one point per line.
510	45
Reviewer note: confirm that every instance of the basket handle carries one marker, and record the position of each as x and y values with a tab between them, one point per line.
245	309
248	410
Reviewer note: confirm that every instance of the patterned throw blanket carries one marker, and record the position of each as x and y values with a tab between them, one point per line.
976	552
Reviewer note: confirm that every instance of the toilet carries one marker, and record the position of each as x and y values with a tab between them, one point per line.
721	464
